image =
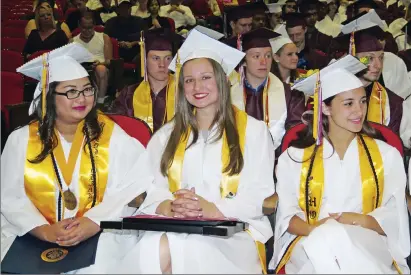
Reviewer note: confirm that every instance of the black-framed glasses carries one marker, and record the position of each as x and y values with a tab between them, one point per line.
73	94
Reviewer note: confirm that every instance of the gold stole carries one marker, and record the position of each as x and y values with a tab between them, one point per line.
40	180
143	106
376	106
229	184
371	193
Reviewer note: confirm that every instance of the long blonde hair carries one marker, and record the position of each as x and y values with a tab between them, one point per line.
37	15
185	119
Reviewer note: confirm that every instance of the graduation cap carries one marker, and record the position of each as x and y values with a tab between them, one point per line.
211	33
363	33
278	42
308	5
282	30
275	7
325	1
362	41
332	80
258	38
295	19
161	40
61	64
156	40
199	45
234	13
124	1
362	21
29	255
365	4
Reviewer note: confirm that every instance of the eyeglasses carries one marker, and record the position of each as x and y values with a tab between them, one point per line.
73	94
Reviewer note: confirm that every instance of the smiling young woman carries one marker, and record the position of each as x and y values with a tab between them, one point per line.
66	171
345	211
208	143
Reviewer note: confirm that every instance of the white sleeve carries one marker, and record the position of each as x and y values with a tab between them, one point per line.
288	172
16	207
163	11
127	177
190	19
256	182
392	216
405	126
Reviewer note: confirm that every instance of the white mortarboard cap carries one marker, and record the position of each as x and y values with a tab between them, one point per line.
275	7
64	64
199	45
336	78
325	1
368	20
282	30
123	1
211	33
278	42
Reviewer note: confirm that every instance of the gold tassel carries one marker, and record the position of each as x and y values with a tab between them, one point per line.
353	51
44	84
316	106
142	56
177	74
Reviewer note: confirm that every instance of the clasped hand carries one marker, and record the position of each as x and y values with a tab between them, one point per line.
188	204
345	218
70	232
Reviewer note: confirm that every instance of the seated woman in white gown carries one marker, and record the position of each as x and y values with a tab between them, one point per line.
211	161
70	168
342	209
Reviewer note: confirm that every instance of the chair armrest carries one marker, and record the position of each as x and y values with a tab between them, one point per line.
18	114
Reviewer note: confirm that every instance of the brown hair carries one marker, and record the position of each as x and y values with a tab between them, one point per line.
46	131
185	119
305	137
276	70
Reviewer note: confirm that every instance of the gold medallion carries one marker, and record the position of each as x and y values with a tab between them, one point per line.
53	255
70	200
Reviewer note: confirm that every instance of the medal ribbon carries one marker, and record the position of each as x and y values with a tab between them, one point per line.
40	178
67	169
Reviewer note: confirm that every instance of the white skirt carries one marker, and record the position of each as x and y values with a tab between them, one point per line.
191	253
336	248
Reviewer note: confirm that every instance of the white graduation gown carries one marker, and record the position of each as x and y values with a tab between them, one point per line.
405	126
356	249
402	46
395	75
125	182
276	104
328	27
202	168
